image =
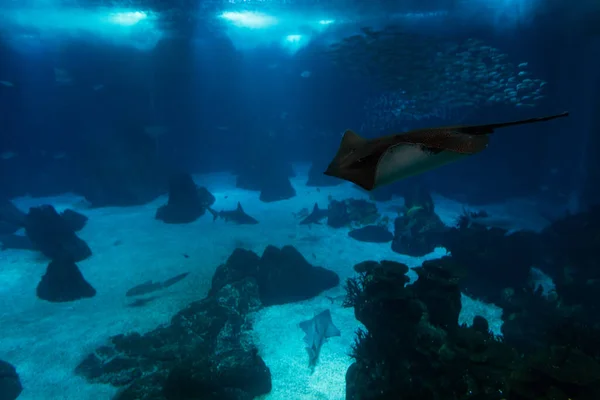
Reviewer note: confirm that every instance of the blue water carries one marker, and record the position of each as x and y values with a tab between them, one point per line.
100	104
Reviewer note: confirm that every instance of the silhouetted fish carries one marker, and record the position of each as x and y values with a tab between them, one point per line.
370	163
151	286
237	216
315	216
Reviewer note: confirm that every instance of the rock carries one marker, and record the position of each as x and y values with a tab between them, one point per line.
206	352
338	215
507	259
276	186
10	384
11	218
122	168
63	282
284	276
74	220
418	324
270	177
241	264
186	203
351	211
255	174
372	234
419	230
53	236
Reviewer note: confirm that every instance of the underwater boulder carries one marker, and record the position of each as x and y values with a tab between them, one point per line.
63	282
10	384
414	338
254	174
53	236
121	168
284	276
205	352
337	214
351	212
417	232
276	187
372	234
76	221
496	262
186	203
241	264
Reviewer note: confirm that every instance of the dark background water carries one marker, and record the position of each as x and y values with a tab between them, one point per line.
224	107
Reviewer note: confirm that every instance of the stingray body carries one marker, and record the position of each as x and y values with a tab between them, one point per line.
237	216
371	163
317	330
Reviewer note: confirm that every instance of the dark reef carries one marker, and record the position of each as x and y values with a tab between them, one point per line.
417	231
10	384
283	275
187	202
207	351
54	235
122	168
351	212
63	282
413	347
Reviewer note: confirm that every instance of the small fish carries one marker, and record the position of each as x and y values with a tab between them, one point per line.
7	155
523	65
6	83
306	74
336	299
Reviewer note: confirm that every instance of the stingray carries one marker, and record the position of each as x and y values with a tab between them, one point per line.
315	216
237	216
370	163
317	330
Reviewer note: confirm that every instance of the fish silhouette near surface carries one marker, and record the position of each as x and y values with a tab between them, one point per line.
237	216
370	163
315	216
317	330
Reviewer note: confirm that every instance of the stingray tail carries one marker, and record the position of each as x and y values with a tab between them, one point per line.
489	128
